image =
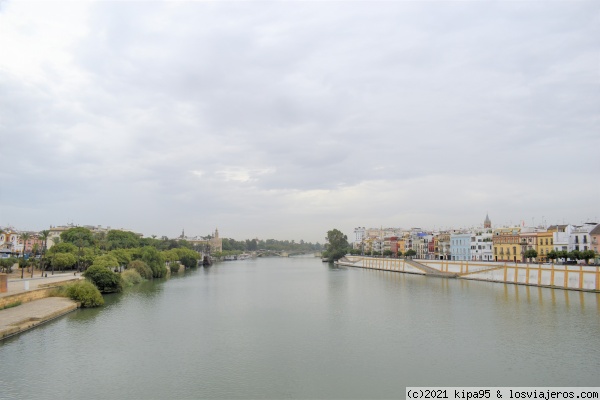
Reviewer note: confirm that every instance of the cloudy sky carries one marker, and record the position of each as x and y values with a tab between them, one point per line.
286	119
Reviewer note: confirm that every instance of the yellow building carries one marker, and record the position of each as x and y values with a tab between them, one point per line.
507	244
544	245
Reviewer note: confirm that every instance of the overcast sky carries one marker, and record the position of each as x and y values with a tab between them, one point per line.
286	119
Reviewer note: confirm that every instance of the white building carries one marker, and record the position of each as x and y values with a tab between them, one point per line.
579	238
481	245
359	236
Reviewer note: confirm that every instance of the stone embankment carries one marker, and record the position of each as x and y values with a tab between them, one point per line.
569	277
24	303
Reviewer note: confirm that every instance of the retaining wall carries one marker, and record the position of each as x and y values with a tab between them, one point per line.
571	277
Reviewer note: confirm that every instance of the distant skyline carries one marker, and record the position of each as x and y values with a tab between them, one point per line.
284	120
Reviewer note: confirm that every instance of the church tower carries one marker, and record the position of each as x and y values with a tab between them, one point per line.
487	224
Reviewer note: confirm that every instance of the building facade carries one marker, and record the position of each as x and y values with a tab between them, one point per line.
506	244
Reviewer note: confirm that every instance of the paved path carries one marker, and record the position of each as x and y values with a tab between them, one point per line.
431	271
31	314
28	315
17	285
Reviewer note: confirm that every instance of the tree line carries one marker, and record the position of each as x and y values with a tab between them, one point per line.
248	245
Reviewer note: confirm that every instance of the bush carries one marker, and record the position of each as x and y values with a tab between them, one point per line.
84	292
105	280
174	266
131	277
142	268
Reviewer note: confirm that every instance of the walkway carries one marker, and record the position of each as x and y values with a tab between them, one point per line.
28	315
431	271
17	285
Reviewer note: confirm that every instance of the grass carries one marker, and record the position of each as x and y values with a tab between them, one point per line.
11	305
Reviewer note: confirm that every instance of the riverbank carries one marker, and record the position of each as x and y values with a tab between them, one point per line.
26	304
567	277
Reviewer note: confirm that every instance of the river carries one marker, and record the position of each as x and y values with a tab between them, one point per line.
298	328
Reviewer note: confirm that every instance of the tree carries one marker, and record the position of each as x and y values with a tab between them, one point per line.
35	250
337	245
123	256
62	261
7	263
142	268
63	247
387	253
410	253
105	280
574	255
25	237
44	236
531	253
587	255
155	261
552	255
79	236
563	254
107	261
122	240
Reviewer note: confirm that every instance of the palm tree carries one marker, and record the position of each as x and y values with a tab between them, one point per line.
32	262
25	237
44	236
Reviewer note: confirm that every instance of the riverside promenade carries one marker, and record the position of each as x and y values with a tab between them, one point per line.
34	306
568	277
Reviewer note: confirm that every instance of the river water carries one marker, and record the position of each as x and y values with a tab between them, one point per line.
298	328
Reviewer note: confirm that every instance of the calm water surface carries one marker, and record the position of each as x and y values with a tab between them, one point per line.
297	328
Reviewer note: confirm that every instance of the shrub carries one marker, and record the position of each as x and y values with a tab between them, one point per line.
142	268
84	292
131	277
105	280
174	266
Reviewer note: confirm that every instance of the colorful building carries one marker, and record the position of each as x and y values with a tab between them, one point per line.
506	243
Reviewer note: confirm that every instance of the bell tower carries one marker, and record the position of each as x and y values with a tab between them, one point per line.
487	224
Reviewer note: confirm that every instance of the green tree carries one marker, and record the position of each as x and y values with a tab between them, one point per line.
574	255
142	268
25	237
587	255
63	260
531	253
79	236
122	239
337	245
44	235
105	280
107	261
33	260
563	254
123	256
7	263
552	255
63	247
154	259
410	253
387	253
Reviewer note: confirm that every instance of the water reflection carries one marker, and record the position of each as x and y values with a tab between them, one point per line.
299	328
